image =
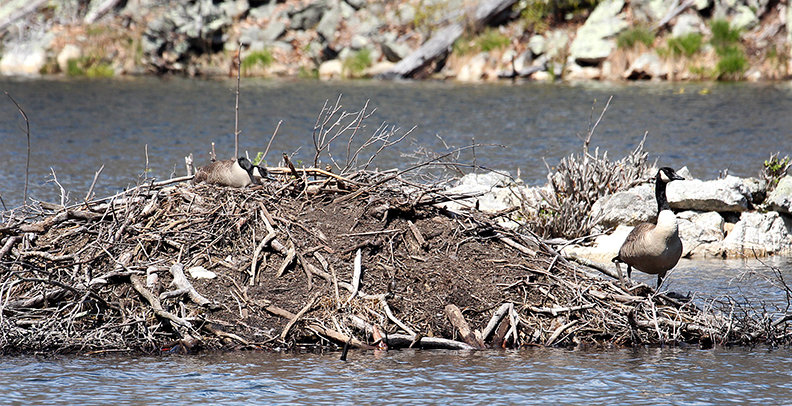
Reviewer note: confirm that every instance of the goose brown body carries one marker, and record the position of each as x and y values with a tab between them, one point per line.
654	248
232	172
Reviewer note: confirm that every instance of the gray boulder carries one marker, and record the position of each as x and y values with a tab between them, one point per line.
780	198
26	59
688	23
697	229
593	42
308	17
329	24
394	52
650	10
630	207
760	234
647	66
184	28
728	194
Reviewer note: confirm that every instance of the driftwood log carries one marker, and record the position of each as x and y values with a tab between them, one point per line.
421	62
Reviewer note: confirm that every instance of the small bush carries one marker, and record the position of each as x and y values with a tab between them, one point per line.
257	58
686	45
629	38
357	63
774	169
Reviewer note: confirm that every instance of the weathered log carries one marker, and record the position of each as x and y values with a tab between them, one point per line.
22	9
396	341
458	321
438	47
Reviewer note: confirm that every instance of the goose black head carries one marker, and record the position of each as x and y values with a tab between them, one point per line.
262	172
666	174
245	164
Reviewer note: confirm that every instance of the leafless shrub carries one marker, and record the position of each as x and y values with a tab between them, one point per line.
577	182
334	123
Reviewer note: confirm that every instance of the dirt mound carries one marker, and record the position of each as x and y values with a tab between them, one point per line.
368	260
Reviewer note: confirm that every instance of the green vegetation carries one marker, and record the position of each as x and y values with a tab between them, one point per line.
726	41
257	58
732	63
490	39
633	36
723	35
356	63
539	15
685	45
774	169
91	67
308	73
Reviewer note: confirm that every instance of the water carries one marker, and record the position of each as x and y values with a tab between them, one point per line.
79	125
640	376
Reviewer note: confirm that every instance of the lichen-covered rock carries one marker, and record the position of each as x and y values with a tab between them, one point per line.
728	194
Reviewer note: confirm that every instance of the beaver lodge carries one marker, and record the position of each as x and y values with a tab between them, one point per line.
362	258
370	260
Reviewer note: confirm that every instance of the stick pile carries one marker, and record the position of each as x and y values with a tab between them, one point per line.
370	260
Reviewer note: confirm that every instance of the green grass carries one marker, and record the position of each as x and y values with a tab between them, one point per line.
356	63
686	45
74	68
732	63
492	39
308	73
257	58
723	35
489	40
89	67
99	70
633	36
726	40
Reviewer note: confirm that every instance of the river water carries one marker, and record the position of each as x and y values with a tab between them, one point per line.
144	127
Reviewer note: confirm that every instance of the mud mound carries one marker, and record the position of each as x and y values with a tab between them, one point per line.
369	260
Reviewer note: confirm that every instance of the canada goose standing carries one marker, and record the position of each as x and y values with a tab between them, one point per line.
654	248
231	172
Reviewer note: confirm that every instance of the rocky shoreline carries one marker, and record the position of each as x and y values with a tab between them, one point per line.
729	217
488	40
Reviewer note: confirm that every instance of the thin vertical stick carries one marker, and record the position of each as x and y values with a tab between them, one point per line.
27	133
236	109
266	151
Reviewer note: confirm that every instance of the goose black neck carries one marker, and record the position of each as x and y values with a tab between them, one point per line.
660	195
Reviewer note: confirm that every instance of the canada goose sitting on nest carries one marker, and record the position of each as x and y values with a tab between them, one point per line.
231	172
260	173
654	248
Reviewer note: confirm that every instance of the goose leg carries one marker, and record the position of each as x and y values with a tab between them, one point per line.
659	282
629	271
621	276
